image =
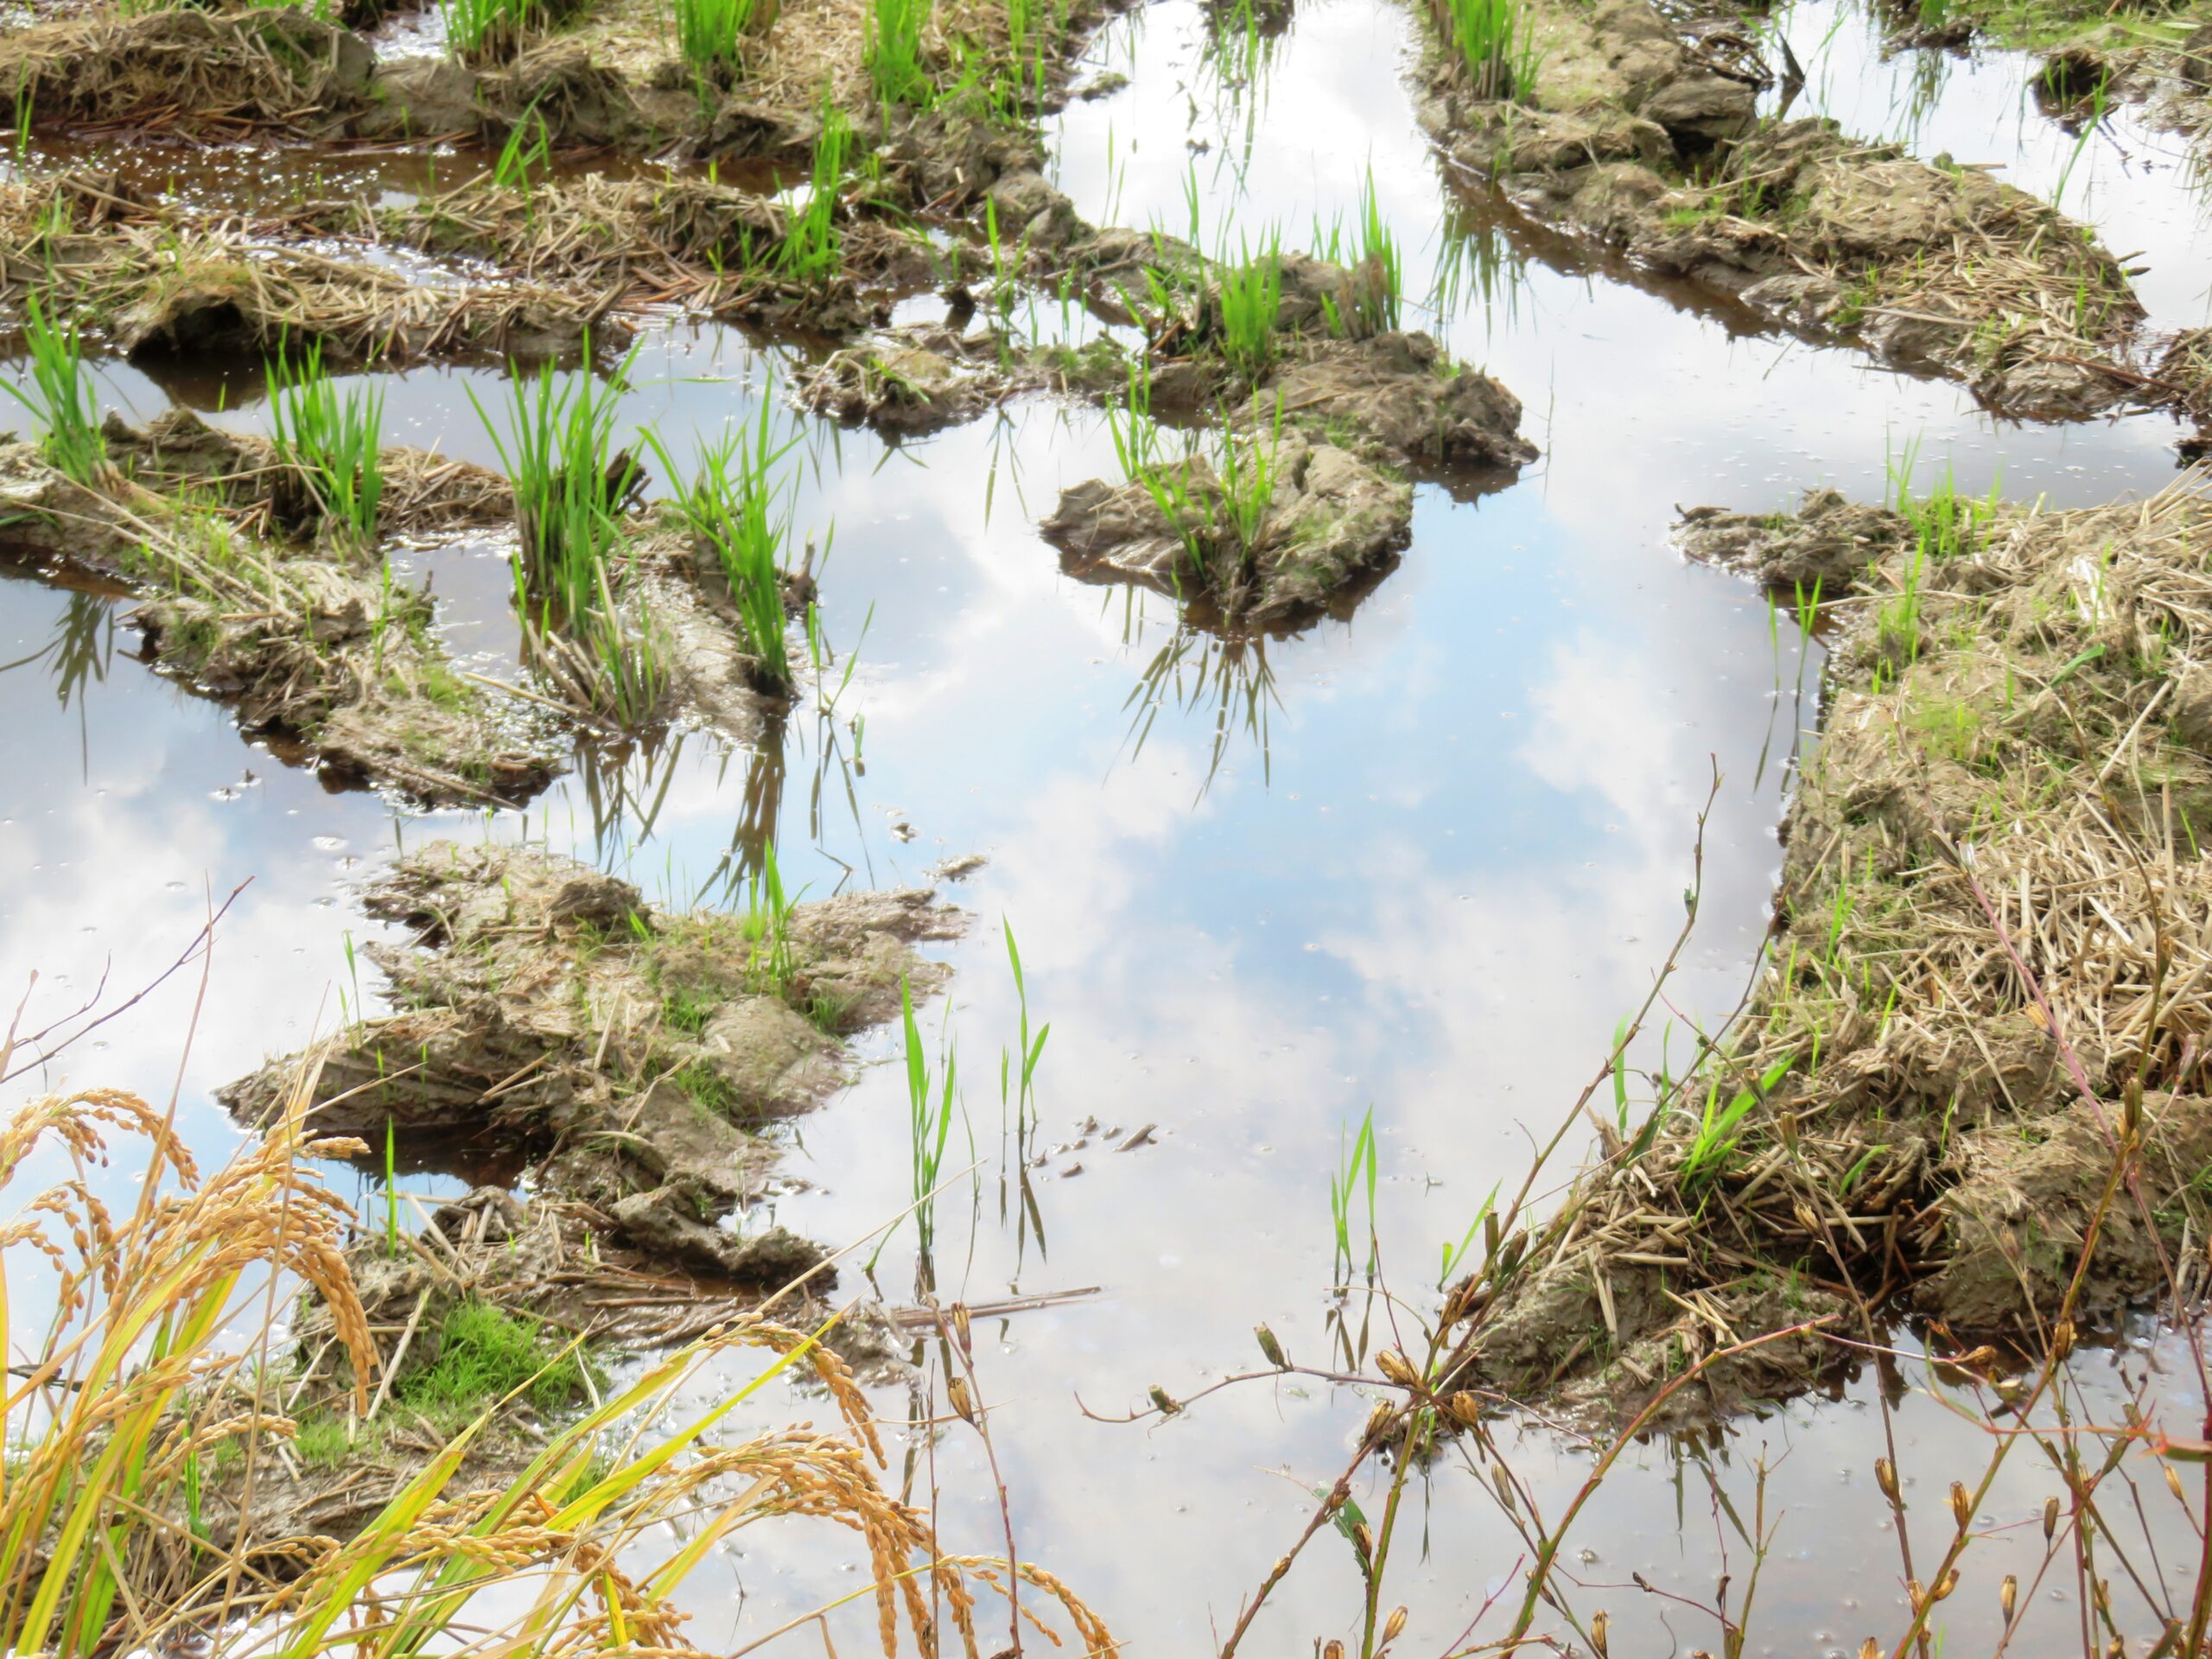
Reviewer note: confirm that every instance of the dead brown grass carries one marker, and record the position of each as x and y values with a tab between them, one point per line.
1995	847
160	278
203	69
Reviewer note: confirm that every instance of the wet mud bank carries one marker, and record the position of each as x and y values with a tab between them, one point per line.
640	1059
611	81
1315	520
248	595
1643	139
159	281
2158	58
1965	1085
639	1056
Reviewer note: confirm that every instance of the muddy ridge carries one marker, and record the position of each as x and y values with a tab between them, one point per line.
246	596
640	1057
158	280
1992	899
1644	140
2093	55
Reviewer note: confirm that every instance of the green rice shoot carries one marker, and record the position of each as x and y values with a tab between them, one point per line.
1496	40
333	439
489	29
1251	299
569	483
809	255
737	507
893	56
60	396
709	34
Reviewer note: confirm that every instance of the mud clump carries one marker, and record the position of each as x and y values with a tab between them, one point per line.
641	1055
1824	549
1402	395
1937	270
1329	518
1301	500
1975	1041
1615	82
913	381
314	645
422	494
644	241
2015	1223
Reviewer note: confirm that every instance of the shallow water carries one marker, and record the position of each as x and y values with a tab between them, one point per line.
1422	860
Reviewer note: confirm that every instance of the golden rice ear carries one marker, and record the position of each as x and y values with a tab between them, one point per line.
571	1559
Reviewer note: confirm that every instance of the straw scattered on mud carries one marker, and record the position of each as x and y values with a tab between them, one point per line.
1990	986
316	646
2157	58
1643	137
159	279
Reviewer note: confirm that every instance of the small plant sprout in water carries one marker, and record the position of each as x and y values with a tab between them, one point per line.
930	1101
60	396
2092	124
1356	1173
1017	1112
1455	1256
823	656
1020	1092
333	440
390	1193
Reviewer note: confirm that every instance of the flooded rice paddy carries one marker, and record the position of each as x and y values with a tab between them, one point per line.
1420	857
